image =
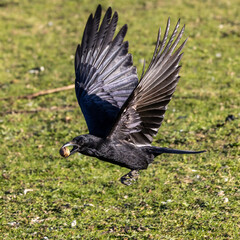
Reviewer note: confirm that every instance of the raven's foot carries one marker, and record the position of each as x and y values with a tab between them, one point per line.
130	177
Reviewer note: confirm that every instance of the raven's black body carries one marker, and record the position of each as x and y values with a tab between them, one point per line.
123	113
119	153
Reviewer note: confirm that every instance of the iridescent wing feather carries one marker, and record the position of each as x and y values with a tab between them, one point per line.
105	75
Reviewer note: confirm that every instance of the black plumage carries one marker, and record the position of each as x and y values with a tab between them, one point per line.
123	113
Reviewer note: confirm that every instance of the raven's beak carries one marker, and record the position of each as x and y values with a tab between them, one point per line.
65	152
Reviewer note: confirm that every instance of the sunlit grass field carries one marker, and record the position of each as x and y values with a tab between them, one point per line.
43	196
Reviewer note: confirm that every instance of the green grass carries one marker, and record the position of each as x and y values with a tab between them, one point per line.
177	197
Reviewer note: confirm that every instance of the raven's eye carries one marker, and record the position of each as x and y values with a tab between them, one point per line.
78	140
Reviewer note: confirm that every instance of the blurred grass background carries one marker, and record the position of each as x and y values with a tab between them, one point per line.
44	196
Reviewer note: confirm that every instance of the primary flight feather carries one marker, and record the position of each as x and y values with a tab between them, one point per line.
122	113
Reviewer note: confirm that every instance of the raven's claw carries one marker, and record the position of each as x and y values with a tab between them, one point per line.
130	177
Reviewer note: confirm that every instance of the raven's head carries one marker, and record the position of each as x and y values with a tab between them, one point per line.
76	143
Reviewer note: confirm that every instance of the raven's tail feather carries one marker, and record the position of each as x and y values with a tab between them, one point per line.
158	150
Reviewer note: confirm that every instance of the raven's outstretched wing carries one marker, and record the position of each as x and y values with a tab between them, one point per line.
105	76
142	115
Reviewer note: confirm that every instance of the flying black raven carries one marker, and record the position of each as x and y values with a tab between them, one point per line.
122	113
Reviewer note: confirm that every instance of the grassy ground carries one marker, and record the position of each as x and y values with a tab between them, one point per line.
44	196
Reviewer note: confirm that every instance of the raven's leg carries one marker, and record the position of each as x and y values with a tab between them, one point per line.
129	177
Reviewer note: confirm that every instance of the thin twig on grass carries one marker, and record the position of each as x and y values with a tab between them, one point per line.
54	108
44	92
